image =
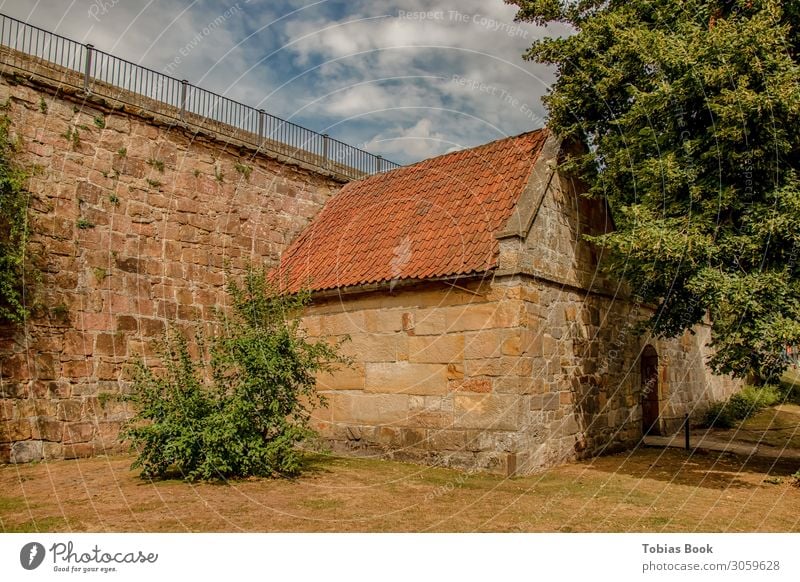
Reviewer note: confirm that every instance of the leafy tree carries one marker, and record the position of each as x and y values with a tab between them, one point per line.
690	111
248	417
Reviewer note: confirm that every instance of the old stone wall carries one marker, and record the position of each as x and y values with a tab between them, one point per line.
437	378
585	355
135	221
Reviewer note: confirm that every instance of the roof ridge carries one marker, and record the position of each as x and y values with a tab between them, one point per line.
453	153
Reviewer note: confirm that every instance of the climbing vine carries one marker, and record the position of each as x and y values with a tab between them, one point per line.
14	229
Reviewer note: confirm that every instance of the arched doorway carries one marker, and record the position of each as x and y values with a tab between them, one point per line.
650	424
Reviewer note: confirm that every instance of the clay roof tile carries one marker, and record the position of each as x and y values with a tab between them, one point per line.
435	218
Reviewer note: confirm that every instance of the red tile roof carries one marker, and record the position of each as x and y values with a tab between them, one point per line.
433	219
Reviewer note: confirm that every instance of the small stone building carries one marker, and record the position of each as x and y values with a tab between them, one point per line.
482	332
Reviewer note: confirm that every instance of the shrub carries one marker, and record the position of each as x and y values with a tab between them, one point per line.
250	415
741	406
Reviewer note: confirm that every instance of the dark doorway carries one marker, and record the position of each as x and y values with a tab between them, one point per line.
650	391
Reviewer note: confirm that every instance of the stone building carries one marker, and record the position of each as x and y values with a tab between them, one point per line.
483	334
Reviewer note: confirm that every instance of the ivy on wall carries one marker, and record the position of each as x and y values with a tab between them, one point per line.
14	229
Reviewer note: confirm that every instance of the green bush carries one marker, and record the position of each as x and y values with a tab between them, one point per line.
251	414
741	406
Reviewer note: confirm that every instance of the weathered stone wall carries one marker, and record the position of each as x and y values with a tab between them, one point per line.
134	224
587	344
437	375
534	367
585	353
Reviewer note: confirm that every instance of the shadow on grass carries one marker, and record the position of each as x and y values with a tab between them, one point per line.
710	470
310	464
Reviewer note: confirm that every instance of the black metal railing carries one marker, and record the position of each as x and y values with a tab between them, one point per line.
105	75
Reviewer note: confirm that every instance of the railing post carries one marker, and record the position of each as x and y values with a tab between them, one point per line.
325	139
87	70
184	83
380	164
261	115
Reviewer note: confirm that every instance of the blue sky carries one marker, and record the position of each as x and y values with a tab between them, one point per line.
407	80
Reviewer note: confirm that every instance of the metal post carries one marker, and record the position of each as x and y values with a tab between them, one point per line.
87	71
184	83
380	164
686	431
325	138
261	115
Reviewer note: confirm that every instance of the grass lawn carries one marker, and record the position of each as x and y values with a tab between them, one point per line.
777	426
644	490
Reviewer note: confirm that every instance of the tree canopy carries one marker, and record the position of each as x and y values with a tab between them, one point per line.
690	114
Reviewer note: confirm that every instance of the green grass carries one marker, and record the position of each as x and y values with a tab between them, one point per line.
12	504
45	524
321	504
790	385
741	406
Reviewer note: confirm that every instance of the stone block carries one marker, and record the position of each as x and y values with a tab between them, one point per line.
486	411
15	430
111	344
47	429
550	401
477	316
69	410
45	366
470	317
430	322
6	409
77	369
482	344
383	321
376	347
436	349
26	452
512	343
375	409
342	323
78	451
487	367
78	432
565	427
447	440
343	378
107	434
52	451
480	385
406	377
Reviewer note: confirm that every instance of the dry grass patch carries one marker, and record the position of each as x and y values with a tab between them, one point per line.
646	490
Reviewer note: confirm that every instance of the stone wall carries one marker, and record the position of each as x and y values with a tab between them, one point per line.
437	374
510	376
135	222
585	353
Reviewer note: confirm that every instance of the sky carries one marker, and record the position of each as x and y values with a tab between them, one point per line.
407	80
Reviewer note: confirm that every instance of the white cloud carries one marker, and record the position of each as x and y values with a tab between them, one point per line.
359	69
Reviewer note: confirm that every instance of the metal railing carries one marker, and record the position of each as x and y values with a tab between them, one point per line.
95	71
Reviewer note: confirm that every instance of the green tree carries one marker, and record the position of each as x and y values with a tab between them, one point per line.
690	114
243	411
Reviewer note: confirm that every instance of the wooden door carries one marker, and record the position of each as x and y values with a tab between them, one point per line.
650	391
